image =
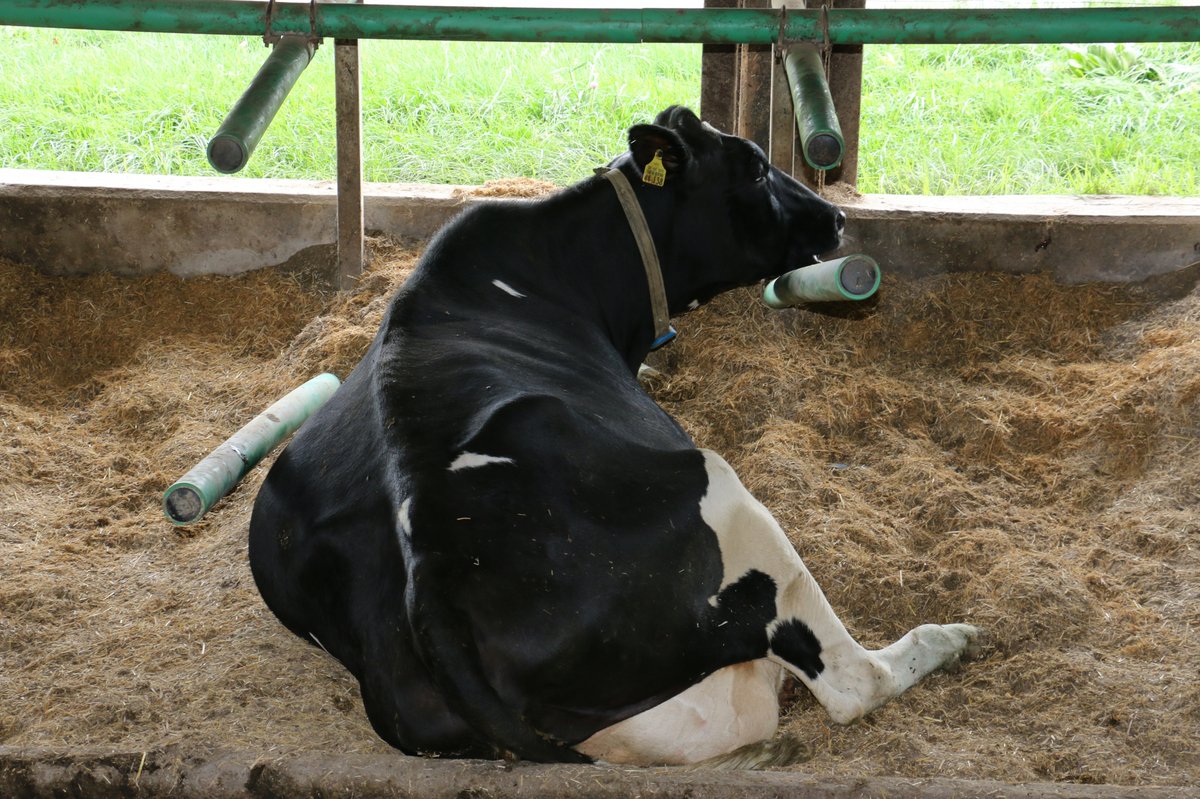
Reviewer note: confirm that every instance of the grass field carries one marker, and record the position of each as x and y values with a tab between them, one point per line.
936	120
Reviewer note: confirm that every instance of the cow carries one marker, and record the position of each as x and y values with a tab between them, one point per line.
510	545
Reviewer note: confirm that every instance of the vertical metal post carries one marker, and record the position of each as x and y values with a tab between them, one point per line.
348	85
753	118
719	78
735	83
845	84
784	144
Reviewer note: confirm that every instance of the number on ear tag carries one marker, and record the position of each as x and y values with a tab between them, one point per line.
655	173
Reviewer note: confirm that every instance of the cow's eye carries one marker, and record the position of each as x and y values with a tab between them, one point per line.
762	172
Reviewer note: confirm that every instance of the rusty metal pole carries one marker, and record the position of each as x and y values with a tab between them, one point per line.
845	84
348	85
753	119
719	78
784	141
784	144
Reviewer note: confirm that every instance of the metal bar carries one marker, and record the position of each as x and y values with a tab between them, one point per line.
348	90
704	25
234	142
191	496
820	132
719	77
783	124
785	141
754	95
845	84
852	277
753	119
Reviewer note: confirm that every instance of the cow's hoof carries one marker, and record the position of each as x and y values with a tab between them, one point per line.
977	641
965	643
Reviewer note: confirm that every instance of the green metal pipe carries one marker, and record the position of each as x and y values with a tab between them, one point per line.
233	143
192	495
853	277
820	132
706	25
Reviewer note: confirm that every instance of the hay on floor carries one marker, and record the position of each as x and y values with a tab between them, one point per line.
994	449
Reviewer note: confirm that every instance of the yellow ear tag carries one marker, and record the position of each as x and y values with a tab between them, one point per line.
655	173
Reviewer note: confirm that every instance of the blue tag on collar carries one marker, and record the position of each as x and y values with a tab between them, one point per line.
664	339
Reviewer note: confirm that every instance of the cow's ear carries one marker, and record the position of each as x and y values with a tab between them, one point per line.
647	142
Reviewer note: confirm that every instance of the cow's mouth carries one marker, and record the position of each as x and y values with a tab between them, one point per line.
803	260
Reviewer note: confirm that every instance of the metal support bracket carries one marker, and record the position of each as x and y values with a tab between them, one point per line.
270	38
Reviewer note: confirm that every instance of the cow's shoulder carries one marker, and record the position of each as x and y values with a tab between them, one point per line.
567	433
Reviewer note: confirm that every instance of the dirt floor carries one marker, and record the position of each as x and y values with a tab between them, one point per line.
984	448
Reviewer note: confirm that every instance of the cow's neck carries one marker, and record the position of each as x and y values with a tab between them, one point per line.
621	286
576	252
648	250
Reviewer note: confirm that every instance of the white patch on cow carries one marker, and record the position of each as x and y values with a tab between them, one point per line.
471	460
500	284
732	707
693	305
404	517
749	537
854	680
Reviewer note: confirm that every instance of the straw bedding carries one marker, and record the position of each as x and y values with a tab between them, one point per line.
988	448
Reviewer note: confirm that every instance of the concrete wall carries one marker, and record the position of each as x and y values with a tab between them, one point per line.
1077	239
74	223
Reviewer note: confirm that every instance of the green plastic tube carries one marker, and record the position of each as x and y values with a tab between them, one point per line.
704	25
820	131
192	495
239	134
854	277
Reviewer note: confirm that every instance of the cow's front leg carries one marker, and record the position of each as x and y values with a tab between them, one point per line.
806	636
856	680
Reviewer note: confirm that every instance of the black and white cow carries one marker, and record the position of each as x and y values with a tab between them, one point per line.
510	545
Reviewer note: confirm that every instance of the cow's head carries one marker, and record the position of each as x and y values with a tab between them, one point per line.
737	219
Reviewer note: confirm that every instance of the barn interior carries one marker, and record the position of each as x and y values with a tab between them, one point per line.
1006	434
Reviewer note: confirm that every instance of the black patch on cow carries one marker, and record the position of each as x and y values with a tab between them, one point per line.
752	594
739	620
794	642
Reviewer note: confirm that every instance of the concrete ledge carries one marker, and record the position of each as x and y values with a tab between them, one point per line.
77	223
1076	239
181	774
74	223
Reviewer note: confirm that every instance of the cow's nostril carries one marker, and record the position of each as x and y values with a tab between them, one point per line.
839	221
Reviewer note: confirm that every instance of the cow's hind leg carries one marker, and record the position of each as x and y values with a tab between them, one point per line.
732	709
806	636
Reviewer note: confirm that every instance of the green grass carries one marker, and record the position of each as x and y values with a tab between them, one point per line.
432	111
936	120
1032	119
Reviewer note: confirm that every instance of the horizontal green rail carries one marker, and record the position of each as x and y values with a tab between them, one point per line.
706	25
